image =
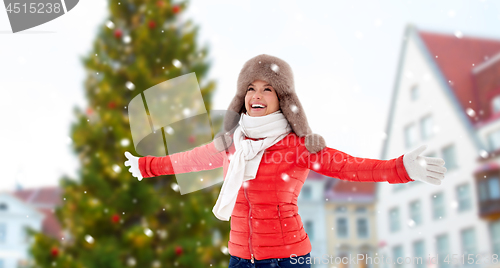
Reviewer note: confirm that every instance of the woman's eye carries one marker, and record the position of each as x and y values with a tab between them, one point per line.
251	88
268	89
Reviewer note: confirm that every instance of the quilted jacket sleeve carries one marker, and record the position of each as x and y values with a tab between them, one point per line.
204	157
334	163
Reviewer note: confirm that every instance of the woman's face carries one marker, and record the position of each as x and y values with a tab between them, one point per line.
261	99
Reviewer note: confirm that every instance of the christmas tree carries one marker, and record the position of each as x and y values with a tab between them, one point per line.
109	218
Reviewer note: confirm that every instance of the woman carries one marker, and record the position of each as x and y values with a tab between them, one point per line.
266	156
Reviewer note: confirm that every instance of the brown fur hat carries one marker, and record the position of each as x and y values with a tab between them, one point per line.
278	73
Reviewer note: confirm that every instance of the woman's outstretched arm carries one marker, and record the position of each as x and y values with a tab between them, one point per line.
334	163
204	157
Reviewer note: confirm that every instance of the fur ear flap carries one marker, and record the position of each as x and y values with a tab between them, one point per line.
292	109
314	143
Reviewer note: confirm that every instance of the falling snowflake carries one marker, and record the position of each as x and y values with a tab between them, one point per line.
89	239
110	24
130	85
125	142
459	34
294	108
127	39
470	112
148	232
175	186
316	166
275	68
245	184
224	250
116	168
186	112
483	153
285	177
177	63
169	130
411	223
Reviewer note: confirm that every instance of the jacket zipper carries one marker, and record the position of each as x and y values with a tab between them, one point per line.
249	225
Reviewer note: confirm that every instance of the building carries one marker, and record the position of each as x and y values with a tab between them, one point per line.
351	223
311	203
445	96
25	208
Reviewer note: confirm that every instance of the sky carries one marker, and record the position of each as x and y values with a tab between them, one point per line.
343	54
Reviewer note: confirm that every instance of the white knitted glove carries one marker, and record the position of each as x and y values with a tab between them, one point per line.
133	162
422	168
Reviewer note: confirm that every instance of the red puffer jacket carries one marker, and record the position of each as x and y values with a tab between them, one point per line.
265	222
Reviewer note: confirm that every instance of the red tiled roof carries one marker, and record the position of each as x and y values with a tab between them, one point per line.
44	199
455	57
50	195
50	224
354	187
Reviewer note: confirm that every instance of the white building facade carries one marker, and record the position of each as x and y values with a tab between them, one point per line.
418	219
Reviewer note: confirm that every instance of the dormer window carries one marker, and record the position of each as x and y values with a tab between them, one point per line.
495	103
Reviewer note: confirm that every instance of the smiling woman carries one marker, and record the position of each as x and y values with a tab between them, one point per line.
259	196
261	99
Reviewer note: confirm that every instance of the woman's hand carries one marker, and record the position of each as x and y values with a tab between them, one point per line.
422	168
133	162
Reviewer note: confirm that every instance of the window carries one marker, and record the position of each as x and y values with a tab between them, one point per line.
398	186
310	229
342	230
489	189
419	253
394	220
494	188
463	197
361	209
494	139
415	213
426	127
306	192
438	206
449	157
414	92
495	237
442	249
3	232
362	224
341	209
495	104
410	135
468	239
397	252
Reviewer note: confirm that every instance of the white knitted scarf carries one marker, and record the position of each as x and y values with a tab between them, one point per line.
246	159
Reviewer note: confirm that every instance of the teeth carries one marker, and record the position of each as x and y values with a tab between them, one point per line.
257	106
